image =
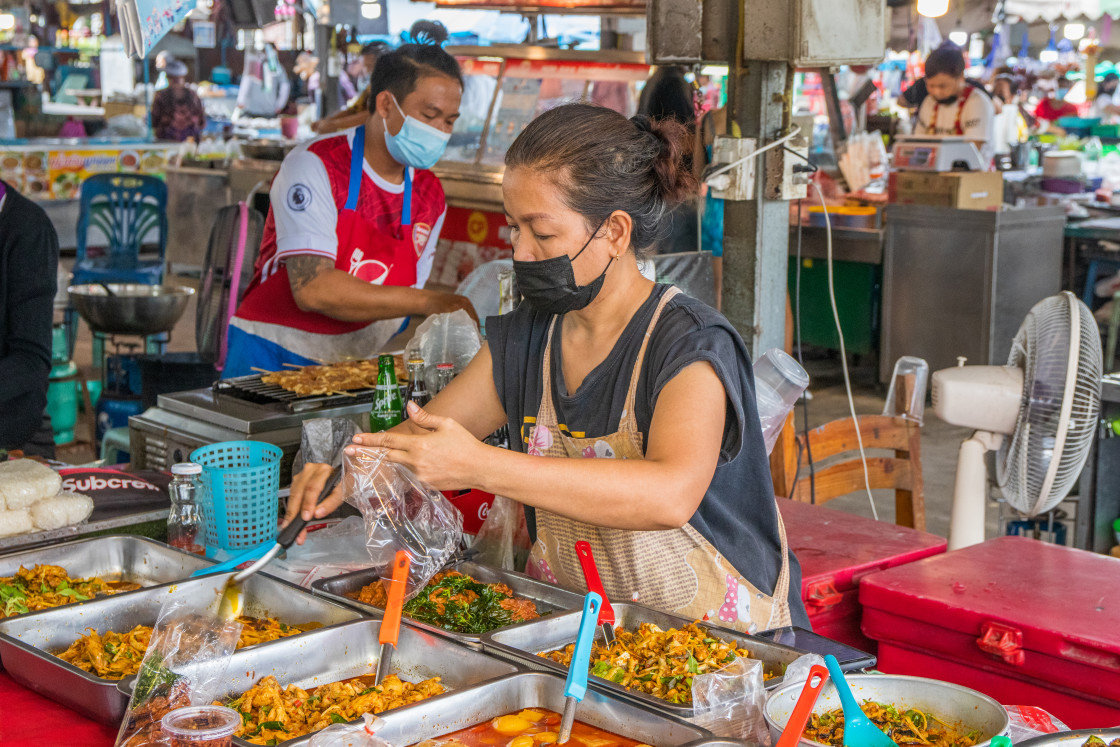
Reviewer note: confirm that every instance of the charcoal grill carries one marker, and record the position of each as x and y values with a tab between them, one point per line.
252	389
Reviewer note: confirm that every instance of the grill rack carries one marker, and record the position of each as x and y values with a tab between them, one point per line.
252	389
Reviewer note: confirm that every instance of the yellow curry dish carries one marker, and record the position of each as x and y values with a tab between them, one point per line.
45	586
658	662
902	726
113	656
271	714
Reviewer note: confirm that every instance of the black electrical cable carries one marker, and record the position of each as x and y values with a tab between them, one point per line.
801	361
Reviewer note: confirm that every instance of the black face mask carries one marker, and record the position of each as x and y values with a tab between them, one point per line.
945	101
549	285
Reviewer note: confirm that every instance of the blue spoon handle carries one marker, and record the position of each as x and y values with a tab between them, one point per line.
576	686
851	707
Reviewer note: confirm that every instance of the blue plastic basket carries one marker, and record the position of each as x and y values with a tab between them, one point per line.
240	496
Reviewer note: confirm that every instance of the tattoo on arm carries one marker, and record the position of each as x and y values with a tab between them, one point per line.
304	268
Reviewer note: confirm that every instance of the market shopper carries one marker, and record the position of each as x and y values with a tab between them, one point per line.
177	112
1051	107
634	404
954	106
28	271
353	225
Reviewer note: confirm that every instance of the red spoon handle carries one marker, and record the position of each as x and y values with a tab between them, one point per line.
591	576
818	675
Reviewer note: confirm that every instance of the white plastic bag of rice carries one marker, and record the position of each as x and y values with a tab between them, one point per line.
15	522
61	510
24	481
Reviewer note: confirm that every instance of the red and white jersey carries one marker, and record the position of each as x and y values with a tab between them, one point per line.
307	196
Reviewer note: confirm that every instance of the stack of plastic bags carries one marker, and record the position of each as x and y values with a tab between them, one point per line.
864	163
31	498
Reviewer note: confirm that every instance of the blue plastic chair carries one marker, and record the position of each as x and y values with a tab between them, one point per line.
122	213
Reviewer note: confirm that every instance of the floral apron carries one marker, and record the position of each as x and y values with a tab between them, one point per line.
675	570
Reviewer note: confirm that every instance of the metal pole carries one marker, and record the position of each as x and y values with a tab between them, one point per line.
756	232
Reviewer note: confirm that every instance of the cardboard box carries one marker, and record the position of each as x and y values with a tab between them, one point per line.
116	108
966	190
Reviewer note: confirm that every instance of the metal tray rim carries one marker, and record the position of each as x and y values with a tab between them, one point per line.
92	679
1073	734
468	639
537	663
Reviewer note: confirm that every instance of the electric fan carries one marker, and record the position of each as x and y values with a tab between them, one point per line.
1039	412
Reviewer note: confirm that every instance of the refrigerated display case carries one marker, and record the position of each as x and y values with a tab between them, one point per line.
505	87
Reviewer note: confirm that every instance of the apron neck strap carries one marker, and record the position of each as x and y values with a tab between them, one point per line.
357	159
628	410
406	210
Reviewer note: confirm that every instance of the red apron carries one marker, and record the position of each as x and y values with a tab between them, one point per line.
362	250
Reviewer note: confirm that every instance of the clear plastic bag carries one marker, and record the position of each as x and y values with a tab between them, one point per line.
351	735
729	702
322	441
503	539
444	338
336	549
185	664
401	513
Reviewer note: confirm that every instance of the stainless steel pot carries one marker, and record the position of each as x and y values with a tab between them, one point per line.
950	703
1074	738
133	309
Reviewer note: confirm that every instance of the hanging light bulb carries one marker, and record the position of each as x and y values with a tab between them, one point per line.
1050	54
933	8
959	37
1074	31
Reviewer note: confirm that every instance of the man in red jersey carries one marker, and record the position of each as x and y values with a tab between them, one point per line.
353	226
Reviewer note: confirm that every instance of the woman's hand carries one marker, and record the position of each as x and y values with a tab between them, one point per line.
440	452
304	496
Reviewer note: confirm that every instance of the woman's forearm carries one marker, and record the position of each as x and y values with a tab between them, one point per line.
638	494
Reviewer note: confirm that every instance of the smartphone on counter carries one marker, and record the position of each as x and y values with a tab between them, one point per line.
850	658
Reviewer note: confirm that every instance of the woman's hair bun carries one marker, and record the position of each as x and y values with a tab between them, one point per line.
428	32
676	180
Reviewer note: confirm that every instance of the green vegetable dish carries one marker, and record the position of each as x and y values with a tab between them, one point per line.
902	726
458	603
46	586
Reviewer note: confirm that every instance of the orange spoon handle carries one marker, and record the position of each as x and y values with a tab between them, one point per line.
391	624
818	675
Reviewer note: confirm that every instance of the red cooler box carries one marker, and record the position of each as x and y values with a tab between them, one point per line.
1028	623
836	551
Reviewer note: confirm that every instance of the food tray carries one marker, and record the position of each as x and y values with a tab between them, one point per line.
116	558
1074	738
458	710
27	641
523	641
945	700
547	597
324	656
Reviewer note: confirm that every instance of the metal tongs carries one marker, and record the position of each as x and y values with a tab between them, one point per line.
576	685
591	576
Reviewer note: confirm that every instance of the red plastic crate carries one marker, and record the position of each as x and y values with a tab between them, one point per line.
1024	621
836	550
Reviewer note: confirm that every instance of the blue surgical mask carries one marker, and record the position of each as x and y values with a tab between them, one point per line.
417	144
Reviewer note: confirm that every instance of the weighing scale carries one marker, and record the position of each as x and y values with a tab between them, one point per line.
935	153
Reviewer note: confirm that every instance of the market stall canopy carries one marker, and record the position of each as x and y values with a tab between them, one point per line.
1049	10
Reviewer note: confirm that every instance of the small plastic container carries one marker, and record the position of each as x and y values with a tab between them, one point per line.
201	726
779	382
908	388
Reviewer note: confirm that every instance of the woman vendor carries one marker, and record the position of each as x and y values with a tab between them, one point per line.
353	226
634	403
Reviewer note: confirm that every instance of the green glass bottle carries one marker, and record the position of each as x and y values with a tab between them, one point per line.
387	410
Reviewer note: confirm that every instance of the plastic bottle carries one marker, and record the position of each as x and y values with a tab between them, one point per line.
184	523
1093	152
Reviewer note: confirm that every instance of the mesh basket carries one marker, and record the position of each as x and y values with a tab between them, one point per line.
240	499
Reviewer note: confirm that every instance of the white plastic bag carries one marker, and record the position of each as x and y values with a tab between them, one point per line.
185	664
401	513
503	539
444	338
729	702
351	735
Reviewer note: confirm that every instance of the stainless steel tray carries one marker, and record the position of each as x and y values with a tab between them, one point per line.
1074	738
115	558
522	643
324	656
437	717
28	642
547	597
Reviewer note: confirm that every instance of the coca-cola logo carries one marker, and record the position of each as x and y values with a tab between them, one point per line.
483	511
